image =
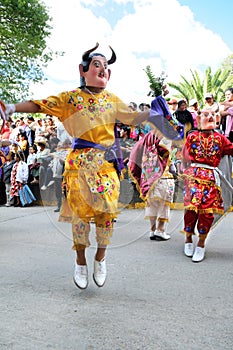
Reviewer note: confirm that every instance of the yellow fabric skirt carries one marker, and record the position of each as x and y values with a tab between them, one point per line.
91	184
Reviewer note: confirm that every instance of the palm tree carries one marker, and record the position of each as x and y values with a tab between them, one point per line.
196	88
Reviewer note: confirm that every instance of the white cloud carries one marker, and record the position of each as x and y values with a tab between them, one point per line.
161	33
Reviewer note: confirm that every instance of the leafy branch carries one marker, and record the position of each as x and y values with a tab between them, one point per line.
156	82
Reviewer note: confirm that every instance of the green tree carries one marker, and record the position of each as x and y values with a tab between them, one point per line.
197	88
24	27
228	63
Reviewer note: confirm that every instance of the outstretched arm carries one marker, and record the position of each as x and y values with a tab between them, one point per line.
22	107
26	107
141	117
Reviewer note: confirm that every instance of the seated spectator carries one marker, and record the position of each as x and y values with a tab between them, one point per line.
2	186
21	125
126	143
39	128
62	134
5	132
23	144
43	158
226	111
14	147
211	104
133	106
144	106
141	106
50	129
193	109
172	104
13	132
7	169
183	115
53	144
134	134
33	165
30	130
145	127
57	166
19	176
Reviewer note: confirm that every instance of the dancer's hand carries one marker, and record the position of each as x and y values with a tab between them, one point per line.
165	90
10	109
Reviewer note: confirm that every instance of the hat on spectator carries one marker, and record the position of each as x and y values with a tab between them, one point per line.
192	102
209	95
172	101
41	139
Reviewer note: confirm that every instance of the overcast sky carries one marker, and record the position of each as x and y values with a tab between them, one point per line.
164	34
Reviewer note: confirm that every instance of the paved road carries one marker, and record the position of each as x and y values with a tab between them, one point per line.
154	297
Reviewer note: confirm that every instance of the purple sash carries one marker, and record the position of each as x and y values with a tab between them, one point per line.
161	117
113	154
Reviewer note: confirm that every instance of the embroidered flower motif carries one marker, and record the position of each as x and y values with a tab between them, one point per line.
91	109
193	190
90	157
108	223
79	107
100	189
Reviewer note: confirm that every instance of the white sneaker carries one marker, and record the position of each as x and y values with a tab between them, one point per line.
151	235
50	183
199	254
188	249
43	188
80	276
100	272
161	236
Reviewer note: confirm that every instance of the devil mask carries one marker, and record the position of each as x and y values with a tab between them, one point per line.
87	58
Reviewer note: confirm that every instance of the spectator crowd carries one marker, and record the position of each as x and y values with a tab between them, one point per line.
33	149
32	152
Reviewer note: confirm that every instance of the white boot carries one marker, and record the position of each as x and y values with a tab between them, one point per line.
100	272
80	276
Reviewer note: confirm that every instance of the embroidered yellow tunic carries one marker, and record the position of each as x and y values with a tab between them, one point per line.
92	182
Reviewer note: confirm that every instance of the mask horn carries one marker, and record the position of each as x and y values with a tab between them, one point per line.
113	58
86	54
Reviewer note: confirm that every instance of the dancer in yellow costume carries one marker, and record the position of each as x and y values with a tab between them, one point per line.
89	114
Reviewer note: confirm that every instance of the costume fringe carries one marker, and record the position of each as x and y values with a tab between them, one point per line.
205	211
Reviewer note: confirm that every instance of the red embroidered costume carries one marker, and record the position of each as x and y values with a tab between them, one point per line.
204	149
